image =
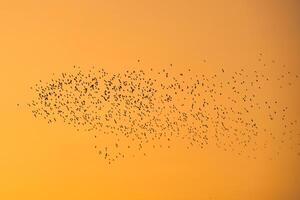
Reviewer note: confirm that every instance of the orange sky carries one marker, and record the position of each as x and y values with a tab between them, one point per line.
38	38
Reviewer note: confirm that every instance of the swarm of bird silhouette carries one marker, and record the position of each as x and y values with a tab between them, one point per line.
139	108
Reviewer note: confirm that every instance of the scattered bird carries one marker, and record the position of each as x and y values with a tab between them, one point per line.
141	110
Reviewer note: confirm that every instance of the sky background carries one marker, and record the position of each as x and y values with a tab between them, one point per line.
38	38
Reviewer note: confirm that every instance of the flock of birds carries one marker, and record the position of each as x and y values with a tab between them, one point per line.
131	111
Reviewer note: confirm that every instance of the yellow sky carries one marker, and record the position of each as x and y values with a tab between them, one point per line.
38	38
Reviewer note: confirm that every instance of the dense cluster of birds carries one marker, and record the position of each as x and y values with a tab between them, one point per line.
131	110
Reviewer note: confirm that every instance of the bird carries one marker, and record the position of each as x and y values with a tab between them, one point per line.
136	110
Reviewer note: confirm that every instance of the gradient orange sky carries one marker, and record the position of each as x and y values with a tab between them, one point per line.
38	38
